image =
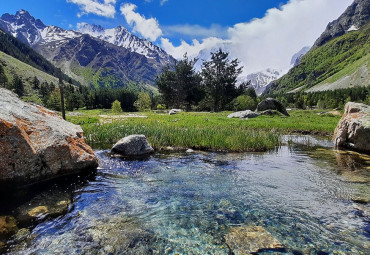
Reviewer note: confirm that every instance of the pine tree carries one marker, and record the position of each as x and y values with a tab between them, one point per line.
36	83
3	78
18	86
181	87
219	77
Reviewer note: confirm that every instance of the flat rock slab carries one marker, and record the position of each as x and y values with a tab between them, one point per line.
36	144
251	239
243	114
353	129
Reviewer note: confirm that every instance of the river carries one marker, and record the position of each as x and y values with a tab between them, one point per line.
305	195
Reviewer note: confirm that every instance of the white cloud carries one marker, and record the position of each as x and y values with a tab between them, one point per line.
148	28
104	8
272	40
163	2
193	49
197	30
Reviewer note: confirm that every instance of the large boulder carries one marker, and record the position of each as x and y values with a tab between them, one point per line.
243	114
353	130
272	104
132	145
36	144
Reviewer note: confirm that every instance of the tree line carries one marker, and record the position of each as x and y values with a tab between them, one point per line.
214	88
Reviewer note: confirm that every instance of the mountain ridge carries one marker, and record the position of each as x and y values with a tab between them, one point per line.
56	43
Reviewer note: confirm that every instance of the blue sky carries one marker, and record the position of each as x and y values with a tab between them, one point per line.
206	14
260	33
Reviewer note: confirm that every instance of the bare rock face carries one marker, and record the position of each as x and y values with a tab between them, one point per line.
353	130
250	240
272	104
133	145
36	144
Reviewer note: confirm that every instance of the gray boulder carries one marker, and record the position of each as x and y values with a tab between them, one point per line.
272	104
243	114
36	144
133	145
271	113
174	111
353	129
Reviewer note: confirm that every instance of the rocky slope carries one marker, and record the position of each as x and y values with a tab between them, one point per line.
117	56
356	16
339	59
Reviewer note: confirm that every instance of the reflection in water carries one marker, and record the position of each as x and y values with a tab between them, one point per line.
298	200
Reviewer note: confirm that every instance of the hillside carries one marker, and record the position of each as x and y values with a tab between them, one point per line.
346	55
27	73
20	51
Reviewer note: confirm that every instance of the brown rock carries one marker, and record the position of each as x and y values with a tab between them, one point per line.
37	144
8	226
353	130
250	239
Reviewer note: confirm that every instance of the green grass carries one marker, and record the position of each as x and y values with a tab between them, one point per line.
204	131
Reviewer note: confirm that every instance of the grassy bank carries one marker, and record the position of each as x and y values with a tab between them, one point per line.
205	131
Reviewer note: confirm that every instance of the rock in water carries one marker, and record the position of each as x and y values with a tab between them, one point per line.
8	226
250	239
36	144
272	104
243	114
353	130
133	145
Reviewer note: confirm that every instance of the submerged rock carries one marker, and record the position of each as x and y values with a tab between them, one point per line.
36	144
272	104
251	239
8	226
353	129
243	114
133	145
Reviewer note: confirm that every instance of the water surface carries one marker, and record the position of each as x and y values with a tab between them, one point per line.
303	194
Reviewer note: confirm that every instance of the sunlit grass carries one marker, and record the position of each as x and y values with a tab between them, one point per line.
205	131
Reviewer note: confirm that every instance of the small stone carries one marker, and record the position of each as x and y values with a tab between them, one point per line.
22	234
174	111
39	210
189	151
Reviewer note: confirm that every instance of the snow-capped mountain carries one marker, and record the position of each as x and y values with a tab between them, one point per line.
260	80
23	26
109	52
120	36
298	56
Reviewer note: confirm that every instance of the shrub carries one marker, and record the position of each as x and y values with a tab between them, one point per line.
116	107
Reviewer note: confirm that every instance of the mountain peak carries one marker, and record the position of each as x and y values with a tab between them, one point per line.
23	12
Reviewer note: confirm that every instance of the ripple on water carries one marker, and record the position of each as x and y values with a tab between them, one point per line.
188	204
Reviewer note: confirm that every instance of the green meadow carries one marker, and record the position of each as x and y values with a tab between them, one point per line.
201	131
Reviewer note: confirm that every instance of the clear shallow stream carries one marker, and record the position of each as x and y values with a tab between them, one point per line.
301	194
